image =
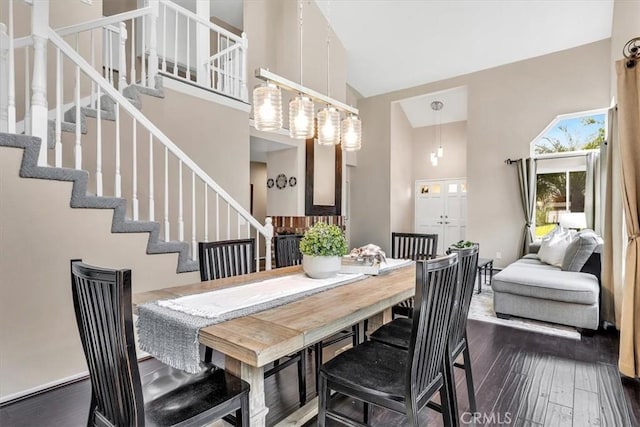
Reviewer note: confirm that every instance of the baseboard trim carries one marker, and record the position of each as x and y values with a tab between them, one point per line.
53	385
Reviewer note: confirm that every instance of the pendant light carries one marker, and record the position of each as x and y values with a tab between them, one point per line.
301	107
328	117
351	133
267	107
437	106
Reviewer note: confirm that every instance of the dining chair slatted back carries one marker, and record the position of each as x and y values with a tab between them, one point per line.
468	268
436	289
287	250
226	258
102	302
414	246
229	258
119	396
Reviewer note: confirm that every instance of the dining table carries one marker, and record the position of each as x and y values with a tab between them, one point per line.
251	342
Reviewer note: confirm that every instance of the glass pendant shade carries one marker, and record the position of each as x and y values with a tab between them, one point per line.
440	151
434	158
301	118
351	134
329	126
267	107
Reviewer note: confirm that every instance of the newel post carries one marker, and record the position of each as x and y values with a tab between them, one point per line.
153	42
268	239
39	110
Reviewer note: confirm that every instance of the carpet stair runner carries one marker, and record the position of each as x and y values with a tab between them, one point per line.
80	197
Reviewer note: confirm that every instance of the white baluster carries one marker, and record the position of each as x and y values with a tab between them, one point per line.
228	221
134	178
206	212
11	91
92	102
217	216
109	35
27	93
122	58
244	93
238	219
152	209
188	72
175	46
248	230
59	77
4	71
77	151
216	65
99	145
180	204
267	238
194	244
202	44
118	176
132	74
164	38
39	109
257	251
166	194
143	54
153	42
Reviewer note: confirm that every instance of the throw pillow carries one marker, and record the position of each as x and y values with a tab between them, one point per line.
580	249
552	250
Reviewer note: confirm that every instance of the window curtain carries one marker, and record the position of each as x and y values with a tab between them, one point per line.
527	181
592	191
629	137
612	287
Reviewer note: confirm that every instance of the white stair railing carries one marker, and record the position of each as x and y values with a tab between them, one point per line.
186	188
184	51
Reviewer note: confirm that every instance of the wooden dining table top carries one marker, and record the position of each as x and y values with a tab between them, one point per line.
268	335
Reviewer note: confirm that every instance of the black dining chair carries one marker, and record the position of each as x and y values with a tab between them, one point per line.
398	332
287	253
416	247
402	380
119	396
287	250
230	258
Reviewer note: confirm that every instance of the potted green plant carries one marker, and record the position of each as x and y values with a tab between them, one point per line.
322	248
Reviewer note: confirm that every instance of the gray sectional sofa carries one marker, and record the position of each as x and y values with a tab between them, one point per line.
567	295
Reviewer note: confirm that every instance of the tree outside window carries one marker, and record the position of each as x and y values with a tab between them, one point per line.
561	187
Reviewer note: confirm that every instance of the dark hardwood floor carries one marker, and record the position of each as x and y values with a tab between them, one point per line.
521	378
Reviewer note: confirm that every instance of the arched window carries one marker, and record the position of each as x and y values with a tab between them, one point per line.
561	167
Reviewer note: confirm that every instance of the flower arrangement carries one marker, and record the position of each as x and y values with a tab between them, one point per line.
323	240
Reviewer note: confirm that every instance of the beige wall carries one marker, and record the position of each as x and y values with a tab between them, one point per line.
284	202
454	142
401	171
36	308
259	182
507	107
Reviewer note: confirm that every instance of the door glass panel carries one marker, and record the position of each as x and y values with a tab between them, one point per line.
435	188
453	188
463	187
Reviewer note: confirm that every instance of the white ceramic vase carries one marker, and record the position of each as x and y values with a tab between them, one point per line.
321	267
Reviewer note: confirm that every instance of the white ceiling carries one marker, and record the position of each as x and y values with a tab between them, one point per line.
229	11
396	44
259	147
419	112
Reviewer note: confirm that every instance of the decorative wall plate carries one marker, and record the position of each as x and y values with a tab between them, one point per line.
281	181
293	181
270	183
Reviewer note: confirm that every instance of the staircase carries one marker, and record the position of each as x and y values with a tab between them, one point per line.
114	99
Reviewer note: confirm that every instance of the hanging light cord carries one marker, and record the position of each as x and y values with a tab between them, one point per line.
328	45
301	2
